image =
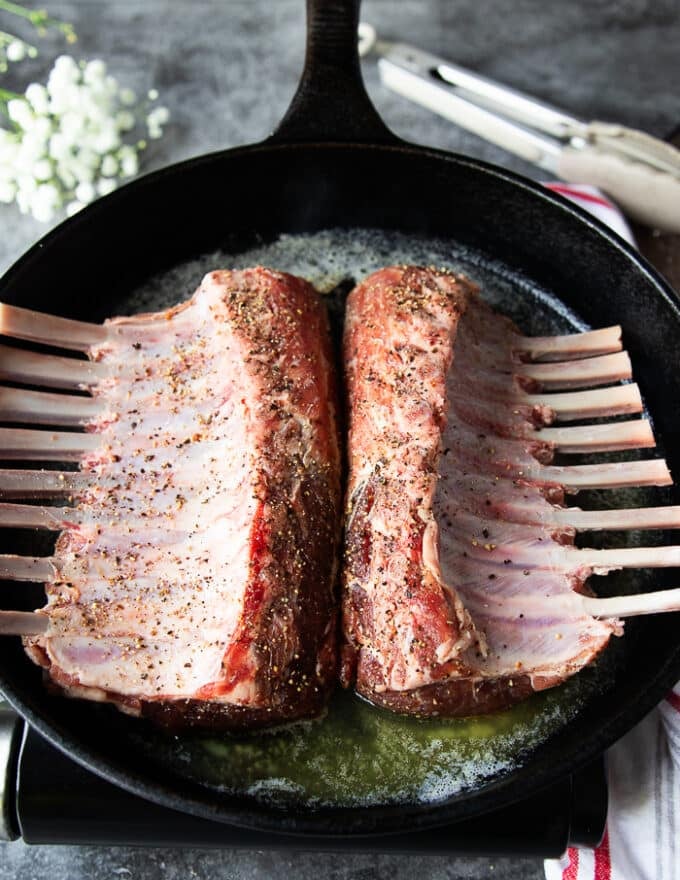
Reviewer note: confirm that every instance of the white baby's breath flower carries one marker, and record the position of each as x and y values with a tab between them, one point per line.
63	97
94	72
59	146
44	202
109	167
65	175
38	98
42	128
77	170
73	208
125	120
27	183
74	139
36	139
155	121
19	111
129	163
23	200
32	147
8	191
42	170
30	151
85	192
7	173
65	67
106	185
106	139
159	115
26	188
72	125
16	50
9	148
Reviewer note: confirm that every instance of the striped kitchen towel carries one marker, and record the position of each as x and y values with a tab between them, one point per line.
643	768
640	843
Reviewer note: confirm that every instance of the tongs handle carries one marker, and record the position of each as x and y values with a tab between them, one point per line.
415	74
646	193
638	171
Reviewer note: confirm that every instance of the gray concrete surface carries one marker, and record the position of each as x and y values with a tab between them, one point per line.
20	862
227	70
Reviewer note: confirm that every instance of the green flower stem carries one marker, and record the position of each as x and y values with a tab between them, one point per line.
6	39
6	95
39	19
35	16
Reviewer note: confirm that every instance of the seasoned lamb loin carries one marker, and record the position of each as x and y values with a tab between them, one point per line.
462	590
402	623
194	582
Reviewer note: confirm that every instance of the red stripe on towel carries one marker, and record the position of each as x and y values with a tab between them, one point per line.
577	194
571	871
603	864
674	700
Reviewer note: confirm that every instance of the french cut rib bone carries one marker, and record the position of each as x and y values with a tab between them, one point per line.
608	475
585	373
570	347
535	503
620	519
48	370
33	516
20	323
40	484
46	408
632	606
206	434
596	403
488	542
22	623
28	445
636	434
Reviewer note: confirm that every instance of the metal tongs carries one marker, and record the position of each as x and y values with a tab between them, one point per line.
639	172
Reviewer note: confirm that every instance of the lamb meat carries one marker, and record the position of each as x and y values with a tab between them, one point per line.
398	613
463	592
193	581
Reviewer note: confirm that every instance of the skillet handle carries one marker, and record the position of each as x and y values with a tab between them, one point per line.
331	103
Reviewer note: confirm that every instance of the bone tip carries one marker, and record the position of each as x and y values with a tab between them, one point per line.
635	396
663	473
645	434
4	309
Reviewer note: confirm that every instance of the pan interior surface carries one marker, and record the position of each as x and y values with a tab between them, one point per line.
359	755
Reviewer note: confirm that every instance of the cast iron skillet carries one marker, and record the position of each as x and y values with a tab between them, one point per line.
313	173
